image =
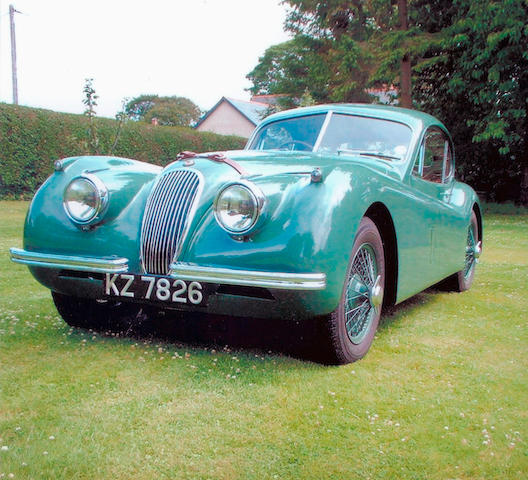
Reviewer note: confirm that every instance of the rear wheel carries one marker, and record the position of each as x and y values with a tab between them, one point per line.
473	249
353	324
462	280
97	314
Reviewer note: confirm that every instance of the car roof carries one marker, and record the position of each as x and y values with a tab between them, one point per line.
413	118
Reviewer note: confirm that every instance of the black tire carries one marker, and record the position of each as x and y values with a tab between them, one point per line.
96	314
352	326
462	280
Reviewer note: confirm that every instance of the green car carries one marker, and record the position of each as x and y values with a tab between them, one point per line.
333	212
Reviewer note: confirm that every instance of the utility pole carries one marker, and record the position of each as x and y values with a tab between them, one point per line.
13	53
0	51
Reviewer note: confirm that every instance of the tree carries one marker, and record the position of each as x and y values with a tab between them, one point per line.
326	59
90	102
337	32
335	52
405	62
170	111
475	78
136	108
290	69
467	62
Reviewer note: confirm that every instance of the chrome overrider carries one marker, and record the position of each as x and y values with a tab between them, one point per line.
183	271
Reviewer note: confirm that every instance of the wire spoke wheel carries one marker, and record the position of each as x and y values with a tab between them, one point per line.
463	279
472	250
359	311
353	324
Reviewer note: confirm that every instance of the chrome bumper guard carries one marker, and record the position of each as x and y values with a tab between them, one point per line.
183	271
250	278
83	264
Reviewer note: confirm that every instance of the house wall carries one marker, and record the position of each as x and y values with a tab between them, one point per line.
226	120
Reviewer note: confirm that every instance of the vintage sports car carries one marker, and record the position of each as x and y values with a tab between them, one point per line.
330	211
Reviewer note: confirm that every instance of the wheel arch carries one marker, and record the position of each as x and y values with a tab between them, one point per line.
382	218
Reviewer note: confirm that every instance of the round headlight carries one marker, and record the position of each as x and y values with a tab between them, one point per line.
237	207
85	198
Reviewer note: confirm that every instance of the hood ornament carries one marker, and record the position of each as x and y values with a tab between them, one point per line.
215	157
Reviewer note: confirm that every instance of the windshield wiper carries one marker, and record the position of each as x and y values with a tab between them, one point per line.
367	154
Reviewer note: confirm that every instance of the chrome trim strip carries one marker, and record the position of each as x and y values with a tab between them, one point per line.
322	132
282	280
83	264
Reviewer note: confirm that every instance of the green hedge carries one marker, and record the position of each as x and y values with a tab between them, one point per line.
32	139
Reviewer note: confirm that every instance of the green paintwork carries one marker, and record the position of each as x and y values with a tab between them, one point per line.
306	227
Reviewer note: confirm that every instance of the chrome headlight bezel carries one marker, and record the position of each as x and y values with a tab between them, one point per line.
101	199
258	200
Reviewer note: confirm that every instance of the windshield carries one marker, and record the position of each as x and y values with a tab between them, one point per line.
299	133
343	135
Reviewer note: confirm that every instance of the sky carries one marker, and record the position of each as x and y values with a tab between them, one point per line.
199	49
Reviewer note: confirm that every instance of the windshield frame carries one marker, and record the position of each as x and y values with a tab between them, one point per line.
324	128
265	125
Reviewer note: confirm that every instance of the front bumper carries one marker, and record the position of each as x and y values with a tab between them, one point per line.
184	271
68	262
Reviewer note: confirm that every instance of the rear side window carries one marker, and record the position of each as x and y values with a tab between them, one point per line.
436	157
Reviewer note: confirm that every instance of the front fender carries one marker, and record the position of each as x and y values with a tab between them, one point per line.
48	228
309	228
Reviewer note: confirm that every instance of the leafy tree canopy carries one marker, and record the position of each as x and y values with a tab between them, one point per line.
170	111
469	62
332	54
474	76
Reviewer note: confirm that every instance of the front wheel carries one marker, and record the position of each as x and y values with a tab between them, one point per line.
97	314
353	324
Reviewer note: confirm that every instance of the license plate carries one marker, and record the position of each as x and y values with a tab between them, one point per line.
154	289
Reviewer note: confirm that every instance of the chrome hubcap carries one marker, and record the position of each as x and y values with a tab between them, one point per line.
364	294
376	293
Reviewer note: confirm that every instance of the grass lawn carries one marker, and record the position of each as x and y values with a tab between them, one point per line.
443	393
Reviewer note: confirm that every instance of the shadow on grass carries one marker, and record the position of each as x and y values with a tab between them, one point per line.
301	339
294	338
391	315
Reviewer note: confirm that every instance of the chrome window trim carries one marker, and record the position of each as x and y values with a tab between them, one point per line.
69	262
322	132
251	278
447	177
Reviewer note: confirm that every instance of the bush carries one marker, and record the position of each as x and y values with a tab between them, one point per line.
32	139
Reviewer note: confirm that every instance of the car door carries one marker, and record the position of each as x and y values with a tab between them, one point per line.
433	180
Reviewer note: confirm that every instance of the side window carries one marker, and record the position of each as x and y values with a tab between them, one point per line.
449	167
437	163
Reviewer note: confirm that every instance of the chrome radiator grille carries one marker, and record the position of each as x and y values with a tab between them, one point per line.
167	215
